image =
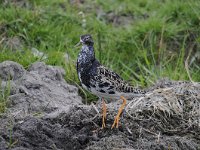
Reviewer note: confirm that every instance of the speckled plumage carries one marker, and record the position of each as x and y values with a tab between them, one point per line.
98	79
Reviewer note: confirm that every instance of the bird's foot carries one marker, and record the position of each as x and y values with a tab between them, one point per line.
116	121
103	114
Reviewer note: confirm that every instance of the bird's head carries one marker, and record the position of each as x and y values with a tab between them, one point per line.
85	39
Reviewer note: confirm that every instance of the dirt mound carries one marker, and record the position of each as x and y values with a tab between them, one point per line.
47	113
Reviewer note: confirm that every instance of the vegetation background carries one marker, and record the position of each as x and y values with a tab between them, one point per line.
142	40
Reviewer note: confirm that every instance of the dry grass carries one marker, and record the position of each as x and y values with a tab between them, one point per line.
175	108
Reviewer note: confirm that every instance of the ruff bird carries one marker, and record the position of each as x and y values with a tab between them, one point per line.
102	81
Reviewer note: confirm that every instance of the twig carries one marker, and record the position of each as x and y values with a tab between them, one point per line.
129	131
187	66
158	140
95	108
150	132
2	40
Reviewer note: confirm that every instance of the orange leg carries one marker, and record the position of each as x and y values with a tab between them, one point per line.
103	113
117	117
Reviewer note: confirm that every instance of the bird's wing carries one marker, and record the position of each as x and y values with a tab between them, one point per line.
105	80
108	74
111	79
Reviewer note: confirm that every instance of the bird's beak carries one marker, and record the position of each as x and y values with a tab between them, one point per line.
78	44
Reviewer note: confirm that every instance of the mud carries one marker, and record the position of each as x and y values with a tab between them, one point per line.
47	113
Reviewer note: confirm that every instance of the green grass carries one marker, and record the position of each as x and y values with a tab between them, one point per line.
153	45
4	96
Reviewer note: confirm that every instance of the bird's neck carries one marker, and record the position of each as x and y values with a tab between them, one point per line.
86	55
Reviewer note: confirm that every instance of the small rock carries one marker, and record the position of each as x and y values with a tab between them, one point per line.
10	70
37	53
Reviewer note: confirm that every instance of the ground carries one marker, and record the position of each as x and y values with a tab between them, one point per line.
44	112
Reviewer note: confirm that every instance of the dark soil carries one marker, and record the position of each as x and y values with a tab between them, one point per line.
47	113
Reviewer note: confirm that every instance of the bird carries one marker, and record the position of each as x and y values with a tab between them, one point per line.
101	81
